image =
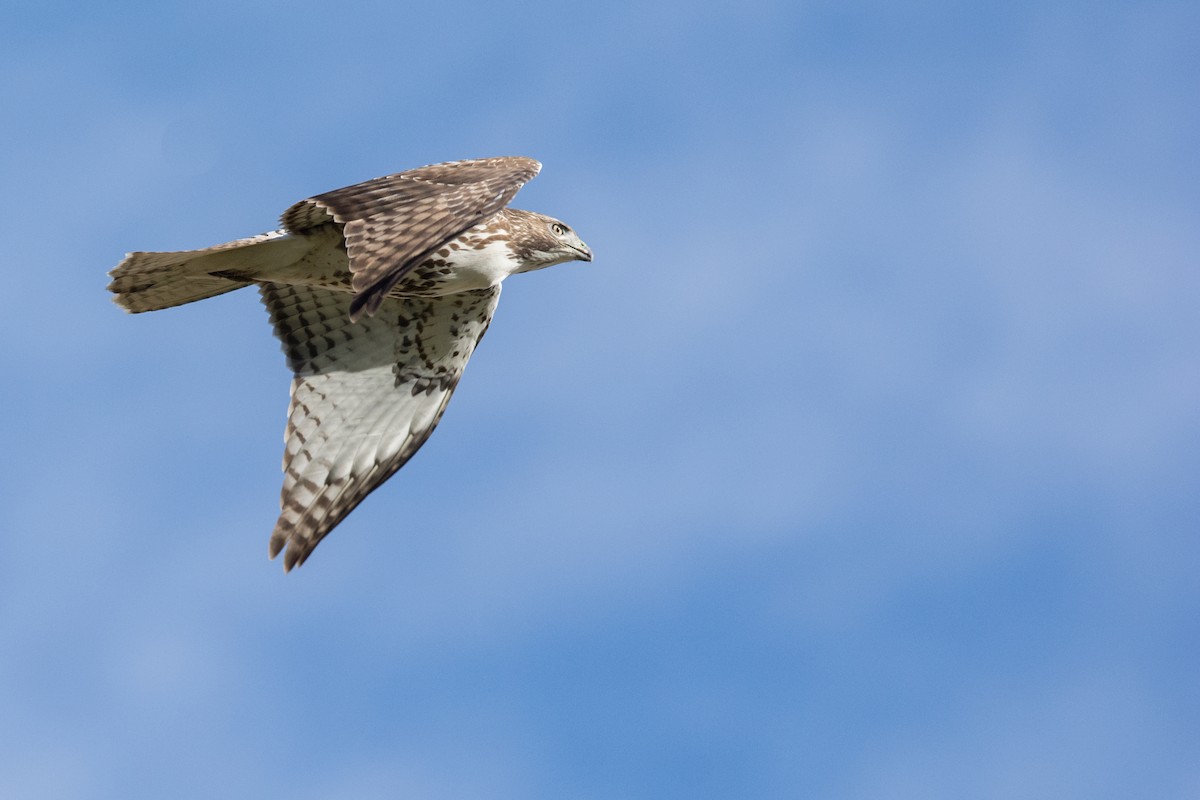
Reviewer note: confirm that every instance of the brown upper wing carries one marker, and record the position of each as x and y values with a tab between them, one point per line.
392	223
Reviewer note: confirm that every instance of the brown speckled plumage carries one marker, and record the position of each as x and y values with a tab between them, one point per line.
379	293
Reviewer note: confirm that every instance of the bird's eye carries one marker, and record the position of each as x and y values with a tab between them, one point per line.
559	229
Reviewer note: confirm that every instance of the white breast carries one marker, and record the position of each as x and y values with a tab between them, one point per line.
480	268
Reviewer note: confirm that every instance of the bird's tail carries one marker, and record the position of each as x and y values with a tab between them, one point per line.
150	281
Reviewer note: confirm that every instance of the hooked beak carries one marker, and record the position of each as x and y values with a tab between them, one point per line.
585	252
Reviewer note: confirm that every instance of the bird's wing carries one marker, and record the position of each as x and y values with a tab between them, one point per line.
365	396
392	223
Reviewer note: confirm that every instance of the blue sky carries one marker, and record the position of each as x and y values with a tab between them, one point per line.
861	463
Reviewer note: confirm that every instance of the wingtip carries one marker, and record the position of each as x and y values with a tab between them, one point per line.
368	301
290	559
293	553
293	558
275	547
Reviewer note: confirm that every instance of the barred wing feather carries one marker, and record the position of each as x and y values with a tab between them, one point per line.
392	223
365	396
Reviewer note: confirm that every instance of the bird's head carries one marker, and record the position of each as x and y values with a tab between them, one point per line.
540	241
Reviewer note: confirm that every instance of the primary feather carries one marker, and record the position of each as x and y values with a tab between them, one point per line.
379	293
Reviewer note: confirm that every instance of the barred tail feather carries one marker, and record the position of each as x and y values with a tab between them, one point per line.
152	281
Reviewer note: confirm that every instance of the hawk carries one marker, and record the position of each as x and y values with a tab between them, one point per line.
379	293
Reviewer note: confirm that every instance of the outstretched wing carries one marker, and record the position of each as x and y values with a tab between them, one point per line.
392	223
365	396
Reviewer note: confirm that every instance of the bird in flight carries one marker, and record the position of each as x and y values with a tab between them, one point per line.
379	293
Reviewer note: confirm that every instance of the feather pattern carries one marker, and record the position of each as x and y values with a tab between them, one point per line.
365	396
436	203
379	293
153	281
